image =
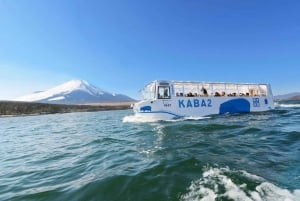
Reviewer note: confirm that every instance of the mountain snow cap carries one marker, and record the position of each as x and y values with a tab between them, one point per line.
79	85
63	89
74	91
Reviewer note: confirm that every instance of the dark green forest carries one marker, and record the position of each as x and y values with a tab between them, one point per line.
26	108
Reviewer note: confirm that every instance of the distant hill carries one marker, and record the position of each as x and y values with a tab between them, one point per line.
8	108
289	96
294	98
74	92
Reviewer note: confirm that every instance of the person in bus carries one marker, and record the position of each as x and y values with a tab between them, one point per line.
204	91
166	93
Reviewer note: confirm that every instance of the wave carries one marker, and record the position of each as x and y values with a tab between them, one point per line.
138	119
143	119
289	105
223	184
286	105
195	118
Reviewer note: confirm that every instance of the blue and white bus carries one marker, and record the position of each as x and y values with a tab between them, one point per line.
163	100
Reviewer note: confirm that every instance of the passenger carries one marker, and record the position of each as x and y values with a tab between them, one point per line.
217	94
223	93
166	93
190	94
251	92
204	91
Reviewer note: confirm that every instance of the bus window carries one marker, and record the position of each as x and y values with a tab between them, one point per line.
164	92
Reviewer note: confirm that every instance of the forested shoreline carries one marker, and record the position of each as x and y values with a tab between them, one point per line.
14	108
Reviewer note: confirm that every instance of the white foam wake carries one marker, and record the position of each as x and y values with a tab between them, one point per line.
138	119
195	118
216	184
143	119
288	105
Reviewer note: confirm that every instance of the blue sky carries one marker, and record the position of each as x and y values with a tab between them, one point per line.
121	45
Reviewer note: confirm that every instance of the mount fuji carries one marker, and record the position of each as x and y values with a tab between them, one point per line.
74	92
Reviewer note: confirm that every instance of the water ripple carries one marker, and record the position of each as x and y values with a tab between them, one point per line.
98	156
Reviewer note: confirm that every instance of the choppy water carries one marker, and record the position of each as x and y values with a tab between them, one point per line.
104	156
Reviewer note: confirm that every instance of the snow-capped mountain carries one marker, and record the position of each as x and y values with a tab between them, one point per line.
74	92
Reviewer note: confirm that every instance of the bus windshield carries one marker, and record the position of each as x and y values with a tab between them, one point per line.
148	93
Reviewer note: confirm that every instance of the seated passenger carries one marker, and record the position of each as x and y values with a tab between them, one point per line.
223	93
190	94
217	94
204	91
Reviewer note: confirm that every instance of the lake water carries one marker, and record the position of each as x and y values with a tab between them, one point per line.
107	156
